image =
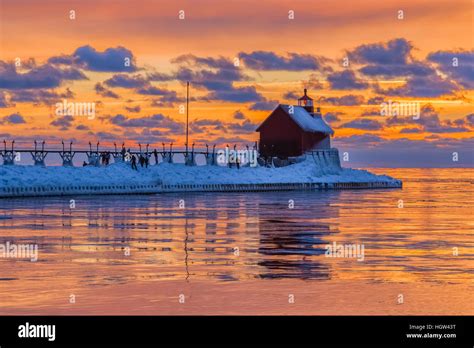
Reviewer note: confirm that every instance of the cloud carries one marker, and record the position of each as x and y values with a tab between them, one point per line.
270	61
231	140
206	126
404	145
216	63
333	116
245	127
470	119
82	127
208	73
428	121
44	76
368	150
104	135
265	105
294	95
152	90
15	118
291	96
376	100
4	101
153	121
142	85
345	79
63	123
216	75
390	59
111	60
19	138
38	96
126	81
396	51
236	94
363	123
314	82
458	65
134	109
427	112
411	130
360	140
346	100
428	86
160	104
415	69
148	136
104	92
166	97
372	112
439	127
160	77
61	60
208	122
239	115
394	59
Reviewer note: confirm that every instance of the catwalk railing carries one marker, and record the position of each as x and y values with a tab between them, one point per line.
97	155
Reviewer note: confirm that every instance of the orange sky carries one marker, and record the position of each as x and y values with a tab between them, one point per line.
155	35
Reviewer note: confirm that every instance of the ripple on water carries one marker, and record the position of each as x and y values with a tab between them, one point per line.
236	236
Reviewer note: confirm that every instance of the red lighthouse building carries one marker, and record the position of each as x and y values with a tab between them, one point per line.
291	130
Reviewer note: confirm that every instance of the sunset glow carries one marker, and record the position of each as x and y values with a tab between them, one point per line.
242	58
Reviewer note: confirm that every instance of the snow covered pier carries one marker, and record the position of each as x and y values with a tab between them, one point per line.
278	187
9	192
310	174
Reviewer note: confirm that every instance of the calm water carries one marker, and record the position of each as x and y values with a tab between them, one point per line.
248	248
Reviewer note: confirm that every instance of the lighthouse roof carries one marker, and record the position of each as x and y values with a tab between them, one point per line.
305	97
308	122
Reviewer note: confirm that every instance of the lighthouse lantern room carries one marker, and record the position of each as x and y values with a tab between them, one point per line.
306	102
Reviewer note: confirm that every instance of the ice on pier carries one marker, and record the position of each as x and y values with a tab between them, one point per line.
120	175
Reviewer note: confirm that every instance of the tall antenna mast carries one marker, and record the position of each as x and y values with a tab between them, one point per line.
187	115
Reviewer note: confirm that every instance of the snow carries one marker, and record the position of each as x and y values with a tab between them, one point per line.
307	171
307	122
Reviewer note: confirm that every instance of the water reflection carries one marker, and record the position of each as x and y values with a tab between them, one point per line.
85	246
289	244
